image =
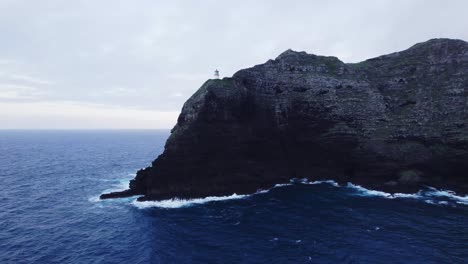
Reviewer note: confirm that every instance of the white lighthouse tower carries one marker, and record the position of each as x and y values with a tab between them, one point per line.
216	74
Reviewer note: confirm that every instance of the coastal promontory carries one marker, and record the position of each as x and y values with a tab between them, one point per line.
396	123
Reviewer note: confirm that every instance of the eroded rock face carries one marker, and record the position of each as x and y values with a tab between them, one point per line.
394	122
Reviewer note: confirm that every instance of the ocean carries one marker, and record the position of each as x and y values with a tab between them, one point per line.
50	212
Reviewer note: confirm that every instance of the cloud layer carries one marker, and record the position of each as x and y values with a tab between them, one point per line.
152	55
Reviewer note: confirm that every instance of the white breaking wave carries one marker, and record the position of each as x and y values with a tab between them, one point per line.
448	194
306	181
281	185
94	199
119	185
426	196
367	192
407	195
122	185
179	203
332	183
430	196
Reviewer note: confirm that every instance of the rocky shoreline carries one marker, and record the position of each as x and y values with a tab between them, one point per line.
393	123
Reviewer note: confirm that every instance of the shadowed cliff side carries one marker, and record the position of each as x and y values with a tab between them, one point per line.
395	123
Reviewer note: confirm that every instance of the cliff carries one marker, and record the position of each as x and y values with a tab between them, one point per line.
395	123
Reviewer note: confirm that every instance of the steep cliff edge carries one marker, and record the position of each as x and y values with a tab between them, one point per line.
395	122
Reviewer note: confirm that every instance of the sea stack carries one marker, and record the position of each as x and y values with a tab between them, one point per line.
397	123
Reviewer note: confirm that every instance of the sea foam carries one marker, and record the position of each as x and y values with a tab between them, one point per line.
121	184
281	185
332	183
430	196
367	192
447	194
179	203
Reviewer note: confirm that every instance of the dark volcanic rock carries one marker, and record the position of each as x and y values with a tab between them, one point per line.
394	122
119	194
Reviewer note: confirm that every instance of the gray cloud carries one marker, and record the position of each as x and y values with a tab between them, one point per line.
153	55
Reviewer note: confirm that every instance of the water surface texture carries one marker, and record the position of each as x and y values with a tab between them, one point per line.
50	213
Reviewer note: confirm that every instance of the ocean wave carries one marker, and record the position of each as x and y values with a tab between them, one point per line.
296	180
118	185
407	195
430	195
332	183
94	199
306	181
280	185
179	203
122	185
367	192
447	194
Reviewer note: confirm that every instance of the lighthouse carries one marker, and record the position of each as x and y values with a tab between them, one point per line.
216	74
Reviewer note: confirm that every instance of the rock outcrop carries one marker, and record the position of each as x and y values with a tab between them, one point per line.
395	122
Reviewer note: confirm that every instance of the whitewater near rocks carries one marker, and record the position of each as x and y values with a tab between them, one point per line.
429	195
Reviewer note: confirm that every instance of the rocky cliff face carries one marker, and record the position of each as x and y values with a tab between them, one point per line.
394	122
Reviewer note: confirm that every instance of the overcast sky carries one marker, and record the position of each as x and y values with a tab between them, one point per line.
132	64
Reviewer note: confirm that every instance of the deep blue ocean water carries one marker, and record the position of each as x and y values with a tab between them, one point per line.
49	213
